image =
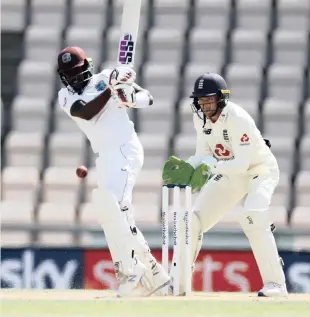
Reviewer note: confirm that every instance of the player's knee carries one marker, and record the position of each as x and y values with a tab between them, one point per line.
254	220
116	186
106	203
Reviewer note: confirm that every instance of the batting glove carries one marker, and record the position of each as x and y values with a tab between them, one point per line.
124	96
121	75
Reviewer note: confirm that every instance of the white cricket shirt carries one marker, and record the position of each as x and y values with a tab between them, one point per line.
232	145
110	127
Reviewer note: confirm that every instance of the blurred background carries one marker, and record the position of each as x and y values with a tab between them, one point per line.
261	47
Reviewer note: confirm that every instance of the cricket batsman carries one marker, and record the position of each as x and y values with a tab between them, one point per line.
231	163
97	103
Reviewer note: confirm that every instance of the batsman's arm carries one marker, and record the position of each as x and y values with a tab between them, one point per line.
88	110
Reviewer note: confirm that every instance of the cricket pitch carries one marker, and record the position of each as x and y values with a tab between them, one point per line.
89	303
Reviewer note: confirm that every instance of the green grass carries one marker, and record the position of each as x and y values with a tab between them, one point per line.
152	309
241	305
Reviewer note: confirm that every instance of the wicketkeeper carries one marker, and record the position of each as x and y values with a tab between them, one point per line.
231	163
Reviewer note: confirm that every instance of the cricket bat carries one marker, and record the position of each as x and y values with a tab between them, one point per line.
129	32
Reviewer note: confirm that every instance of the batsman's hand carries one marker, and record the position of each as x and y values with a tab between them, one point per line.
199	177
177	171
120	76
124	96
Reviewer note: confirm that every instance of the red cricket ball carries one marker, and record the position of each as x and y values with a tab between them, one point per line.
82	171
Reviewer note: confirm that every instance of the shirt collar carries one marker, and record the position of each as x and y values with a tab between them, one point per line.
223	114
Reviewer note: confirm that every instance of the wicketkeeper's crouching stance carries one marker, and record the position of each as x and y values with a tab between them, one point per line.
232	162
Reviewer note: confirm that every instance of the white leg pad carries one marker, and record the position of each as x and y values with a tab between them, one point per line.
142	249
116	229
155	275
143	253
196	242
256	226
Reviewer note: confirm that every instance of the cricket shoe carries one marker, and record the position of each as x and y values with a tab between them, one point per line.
273	290
160	280
129	283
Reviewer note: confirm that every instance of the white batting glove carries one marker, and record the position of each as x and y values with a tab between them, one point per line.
120	76
124	96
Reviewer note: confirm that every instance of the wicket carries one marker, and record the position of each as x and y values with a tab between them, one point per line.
179	213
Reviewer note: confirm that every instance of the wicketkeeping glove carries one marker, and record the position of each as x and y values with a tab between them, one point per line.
199	177
177	171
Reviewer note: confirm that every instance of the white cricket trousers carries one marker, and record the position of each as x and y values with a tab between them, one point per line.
222	193
117	170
